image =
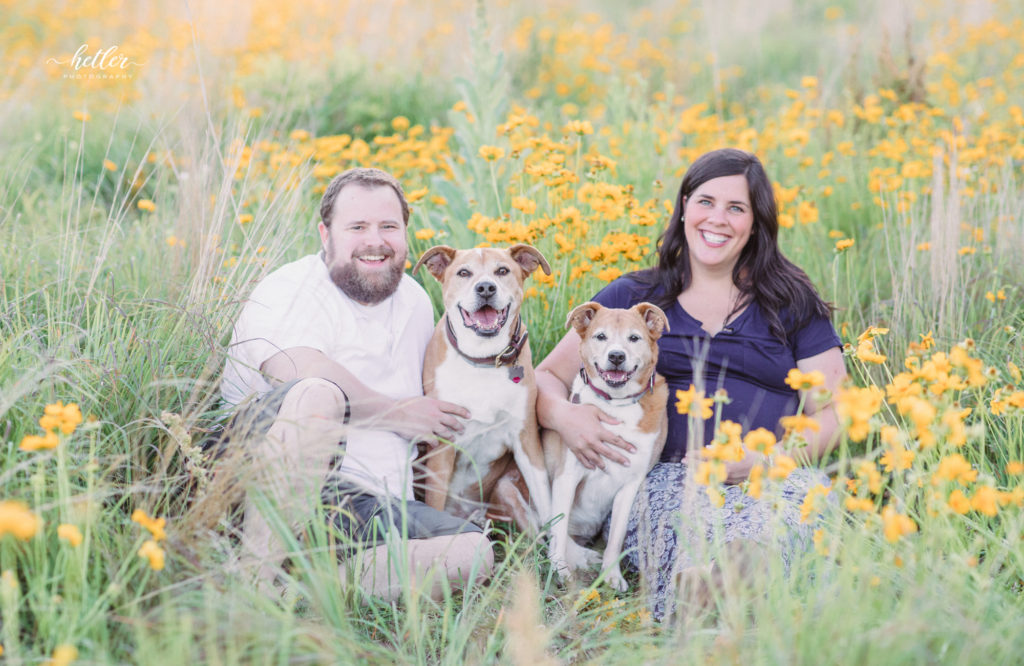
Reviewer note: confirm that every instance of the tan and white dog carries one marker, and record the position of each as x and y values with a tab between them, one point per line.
619	351
479	357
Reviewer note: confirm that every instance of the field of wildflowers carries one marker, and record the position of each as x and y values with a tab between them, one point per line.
149	179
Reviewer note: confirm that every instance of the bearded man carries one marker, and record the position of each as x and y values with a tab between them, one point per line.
325	368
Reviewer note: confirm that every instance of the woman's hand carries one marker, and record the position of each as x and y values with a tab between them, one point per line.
737	472
581	428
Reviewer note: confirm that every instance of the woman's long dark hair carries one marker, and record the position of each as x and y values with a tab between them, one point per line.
761	273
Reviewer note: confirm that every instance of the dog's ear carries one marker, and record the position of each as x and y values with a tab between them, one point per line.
436	260
581	316
654	317
529	258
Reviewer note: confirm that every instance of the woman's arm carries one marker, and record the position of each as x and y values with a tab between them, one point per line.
819	442
580	426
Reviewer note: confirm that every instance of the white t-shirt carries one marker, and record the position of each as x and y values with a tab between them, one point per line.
383	345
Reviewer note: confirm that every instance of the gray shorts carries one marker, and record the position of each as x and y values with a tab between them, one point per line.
361	518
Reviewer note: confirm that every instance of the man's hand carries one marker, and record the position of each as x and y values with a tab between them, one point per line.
422	419
584	433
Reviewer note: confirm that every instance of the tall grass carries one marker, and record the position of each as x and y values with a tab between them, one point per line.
126	311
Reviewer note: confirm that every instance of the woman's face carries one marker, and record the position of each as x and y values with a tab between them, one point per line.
718	220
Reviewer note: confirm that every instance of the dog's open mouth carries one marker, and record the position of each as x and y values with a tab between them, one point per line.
616	378
486	320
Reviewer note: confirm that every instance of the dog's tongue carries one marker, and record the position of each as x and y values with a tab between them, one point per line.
485	318
615	376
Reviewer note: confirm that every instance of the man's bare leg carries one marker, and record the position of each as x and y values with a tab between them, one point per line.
454	560
290	464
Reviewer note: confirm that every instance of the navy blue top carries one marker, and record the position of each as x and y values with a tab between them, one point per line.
744	358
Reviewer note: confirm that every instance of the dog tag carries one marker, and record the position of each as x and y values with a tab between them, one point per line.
515	373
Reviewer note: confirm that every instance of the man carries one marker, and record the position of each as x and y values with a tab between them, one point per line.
341	334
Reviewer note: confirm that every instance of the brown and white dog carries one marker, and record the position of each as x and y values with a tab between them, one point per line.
619	351
479	357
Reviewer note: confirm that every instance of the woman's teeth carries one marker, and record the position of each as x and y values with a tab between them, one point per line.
713	238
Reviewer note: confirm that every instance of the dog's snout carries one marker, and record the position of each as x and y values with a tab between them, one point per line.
486	289
616	357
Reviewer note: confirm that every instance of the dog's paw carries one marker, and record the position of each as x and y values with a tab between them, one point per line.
580	557
613	576
562	570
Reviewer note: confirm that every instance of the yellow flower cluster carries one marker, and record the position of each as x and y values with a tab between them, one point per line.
150	550
56	417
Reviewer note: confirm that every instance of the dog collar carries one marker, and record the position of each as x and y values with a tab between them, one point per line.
507	356
635	397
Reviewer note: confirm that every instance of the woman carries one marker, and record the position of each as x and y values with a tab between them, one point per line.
741	316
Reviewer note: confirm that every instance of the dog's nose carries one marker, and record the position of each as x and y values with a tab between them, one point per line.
486	289
616	357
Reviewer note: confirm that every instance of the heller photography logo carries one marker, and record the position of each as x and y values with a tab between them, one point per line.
104	63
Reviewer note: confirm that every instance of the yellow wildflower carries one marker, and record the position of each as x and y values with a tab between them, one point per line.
858	405
153	553
866	352
18	520
692	402
525	204
799	423
70	533
491	153
109	165
82	116
1015	468
870	333
1015	496
896	459
146	205
579	127
868	474
710	472
784	466
49	440
761	440
63	655
814	501
755	481
958	502
864	504
895	524
801	381
845	244
985	500
60	416
819	541
424	234
954	468
154	525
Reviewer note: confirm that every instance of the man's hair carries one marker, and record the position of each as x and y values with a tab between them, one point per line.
364	177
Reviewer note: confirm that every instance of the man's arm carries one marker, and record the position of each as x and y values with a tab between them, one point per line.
413	418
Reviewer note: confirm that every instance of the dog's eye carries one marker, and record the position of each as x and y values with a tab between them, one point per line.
502	270
634	338
600	337
463	272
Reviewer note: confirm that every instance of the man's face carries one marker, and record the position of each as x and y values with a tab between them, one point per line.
365	247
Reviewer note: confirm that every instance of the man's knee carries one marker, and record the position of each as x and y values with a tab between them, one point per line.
316	397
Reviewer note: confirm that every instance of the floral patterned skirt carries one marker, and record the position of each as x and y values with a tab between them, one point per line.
673	522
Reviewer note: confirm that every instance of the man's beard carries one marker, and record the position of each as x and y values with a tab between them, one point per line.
364	287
